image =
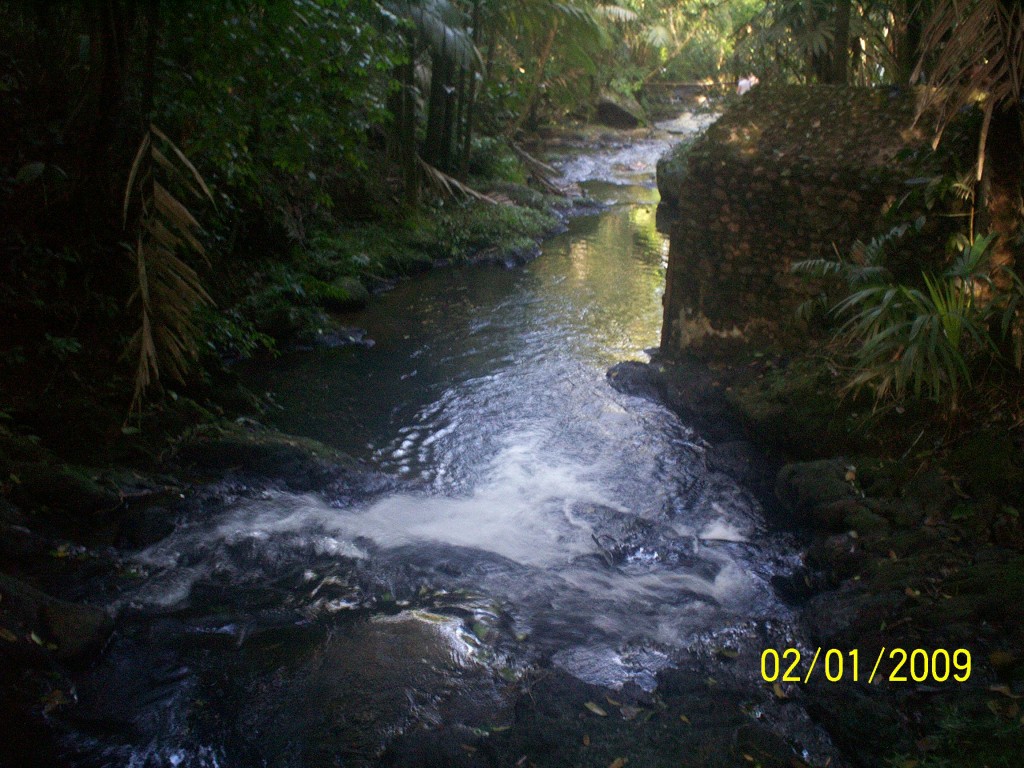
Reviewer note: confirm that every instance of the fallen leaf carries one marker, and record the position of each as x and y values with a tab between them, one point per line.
777	690
469	748
911	592
36	639
684	719
6	634
618	762
851	474
596	709
586	740
727	653
612	701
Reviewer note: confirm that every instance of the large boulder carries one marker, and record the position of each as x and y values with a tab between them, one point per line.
619	111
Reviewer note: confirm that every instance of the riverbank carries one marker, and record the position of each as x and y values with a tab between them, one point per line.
913	540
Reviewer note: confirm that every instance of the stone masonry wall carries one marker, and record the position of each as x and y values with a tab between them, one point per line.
788	173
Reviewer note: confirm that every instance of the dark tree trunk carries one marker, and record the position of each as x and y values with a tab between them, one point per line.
1002	205
437	144
149	62
908	41
105	147
840	69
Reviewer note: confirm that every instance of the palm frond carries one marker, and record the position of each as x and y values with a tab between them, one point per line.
980	48
448	186
168	289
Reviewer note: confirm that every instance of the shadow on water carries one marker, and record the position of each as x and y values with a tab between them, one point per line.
559	577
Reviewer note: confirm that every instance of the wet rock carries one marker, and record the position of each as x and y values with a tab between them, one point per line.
687	387
145	527
75	629
738	459
248	449
619	111
671	172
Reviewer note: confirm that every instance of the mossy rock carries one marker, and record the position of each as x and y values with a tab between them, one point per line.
989	461
254	451
60	488
996	582
805	486
867	523
671	172
618	110
793	409
343	294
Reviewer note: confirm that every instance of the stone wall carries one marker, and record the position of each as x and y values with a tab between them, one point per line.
788	173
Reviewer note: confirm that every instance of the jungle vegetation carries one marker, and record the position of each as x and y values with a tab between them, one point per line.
185	181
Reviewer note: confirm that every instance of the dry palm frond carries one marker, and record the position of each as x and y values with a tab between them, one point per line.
449	186
981	57
168	289
542	172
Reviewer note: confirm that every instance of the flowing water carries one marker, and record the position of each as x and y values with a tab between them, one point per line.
544	543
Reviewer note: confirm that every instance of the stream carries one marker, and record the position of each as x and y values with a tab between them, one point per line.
552	574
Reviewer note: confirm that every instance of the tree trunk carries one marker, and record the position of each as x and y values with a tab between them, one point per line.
840	68
908	41
1002	205
435	146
